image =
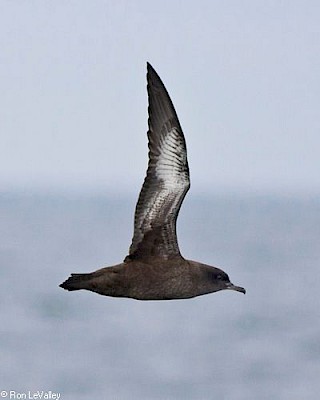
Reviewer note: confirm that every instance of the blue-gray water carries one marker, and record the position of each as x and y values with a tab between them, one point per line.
225	346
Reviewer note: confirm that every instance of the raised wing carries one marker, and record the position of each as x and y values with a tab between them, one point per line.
167	180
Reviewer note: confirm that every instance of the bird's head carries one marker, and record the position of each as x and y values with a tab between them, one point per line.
222	282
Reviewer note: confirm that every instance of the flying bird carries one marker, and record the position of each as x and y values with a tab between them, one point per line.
154	269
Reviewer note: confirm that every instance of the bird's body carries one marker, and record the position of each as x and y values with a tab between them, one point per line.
174	279
154	268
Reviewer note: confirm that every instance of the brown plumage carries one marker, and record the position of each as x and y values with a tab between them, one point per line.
154	268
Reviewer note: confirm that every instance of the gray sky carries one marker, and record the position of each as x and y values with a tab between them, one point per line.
243	75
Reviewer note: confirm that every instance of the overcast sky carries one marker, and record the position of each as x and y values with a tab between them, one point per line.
244	77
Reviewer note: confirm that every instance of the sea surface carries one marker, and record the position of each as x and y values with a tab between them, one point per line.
224	346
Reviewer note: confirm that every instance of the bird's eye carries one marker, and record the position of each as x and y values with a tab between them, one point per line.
219	276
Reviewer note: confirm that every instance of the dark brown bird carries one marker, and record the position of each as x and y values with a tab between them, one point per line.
154	268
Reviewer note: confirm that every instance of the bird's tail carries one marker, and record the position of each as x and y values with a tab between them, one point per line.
76	282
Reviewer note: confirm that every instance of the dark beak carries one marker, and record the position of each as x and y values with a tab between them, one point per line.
231	286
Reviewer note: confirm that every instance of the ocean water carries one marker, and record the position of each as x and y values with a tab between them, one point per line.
224	346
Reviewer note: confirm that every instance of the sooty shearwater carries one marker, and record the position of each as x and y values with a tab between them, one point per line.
155	268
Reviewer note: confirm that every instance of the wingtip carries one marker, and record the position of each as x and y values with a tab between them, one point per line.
150	69
153	78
